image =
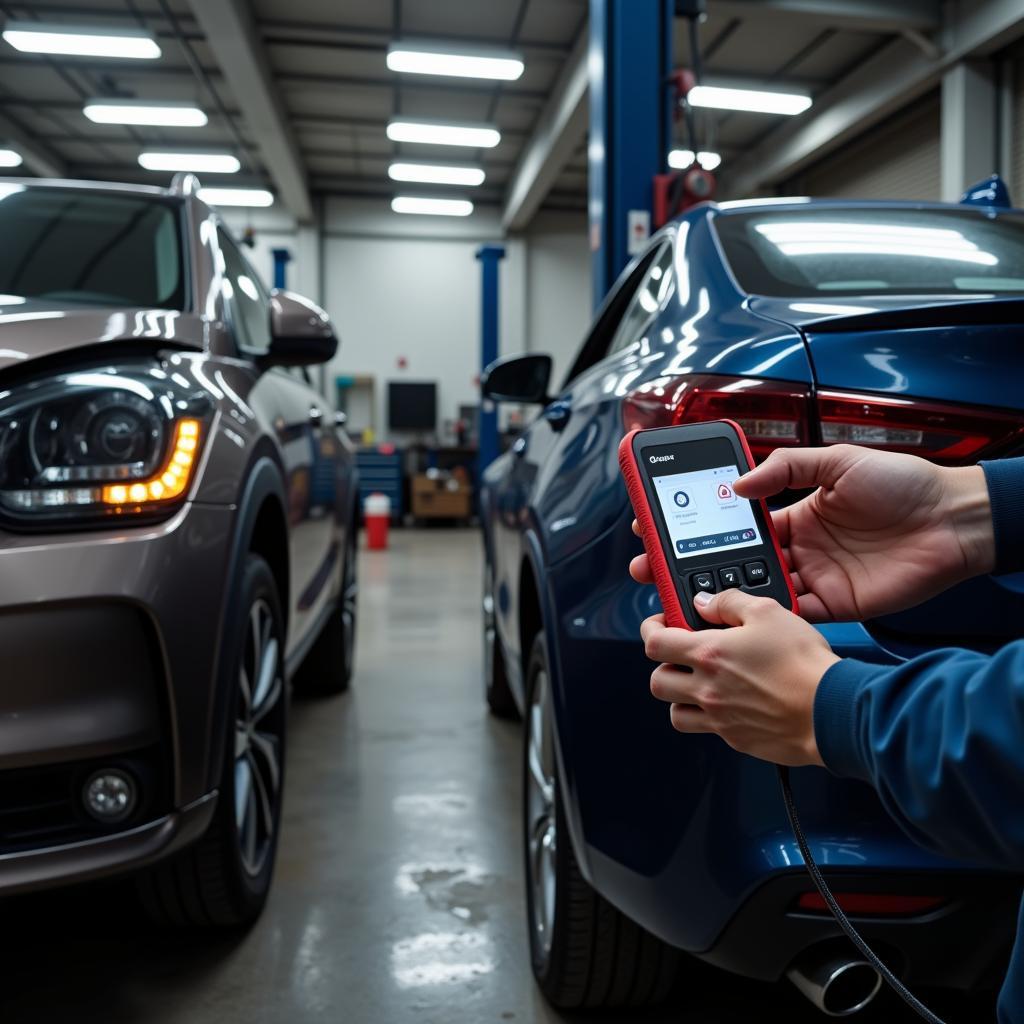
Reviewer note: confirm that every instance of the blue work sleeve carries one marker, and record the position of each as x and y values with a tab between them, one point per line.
1005	480
941	738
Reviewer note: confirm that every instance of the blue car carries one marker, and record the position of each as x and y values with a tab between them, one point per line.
895	325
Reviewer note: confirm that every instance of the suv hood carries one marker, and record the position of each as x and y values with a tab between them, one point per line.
33	329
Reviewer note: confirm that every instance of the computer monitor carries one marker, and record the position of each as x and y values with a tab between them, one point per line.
412	405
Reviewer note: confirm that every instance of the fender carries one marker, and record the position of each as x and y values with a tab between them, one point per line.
263	480
534	553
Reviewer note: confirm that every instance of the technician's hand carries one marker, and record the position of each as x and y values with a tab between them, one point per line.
752	684
882	532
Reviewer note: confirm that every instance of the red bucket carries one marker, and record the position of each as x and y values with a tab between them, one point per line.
377	516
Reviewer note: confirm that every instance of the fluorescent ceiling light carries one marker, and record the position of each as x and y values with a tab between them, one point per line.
33	37
10	158
207	163
756	101
164	115
440	134
821	238
236	196
436	207
680	159
436	174
424	59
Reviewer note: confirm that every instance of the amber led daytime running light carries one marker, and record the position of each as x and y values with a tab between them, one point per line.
170	481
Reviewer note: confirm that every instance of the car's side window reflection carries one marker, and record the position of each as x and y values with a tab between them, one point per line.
612	328
246	299
649	298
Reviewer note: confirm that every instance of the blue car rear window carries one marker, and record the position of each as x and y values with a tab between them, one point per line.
796	253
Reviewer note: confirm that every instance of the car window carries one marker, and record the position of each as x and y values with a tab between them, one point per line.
598	343
654	290
828	251
74	246
246	298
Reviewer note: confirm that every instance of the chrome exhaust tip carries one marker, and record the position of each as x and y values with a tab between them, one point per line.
837	985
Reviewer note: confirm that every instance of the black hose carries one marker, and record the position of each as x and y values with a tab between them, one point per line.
837	912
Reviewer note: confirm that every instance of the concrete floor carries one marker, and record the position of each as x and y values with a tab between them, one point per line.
398	891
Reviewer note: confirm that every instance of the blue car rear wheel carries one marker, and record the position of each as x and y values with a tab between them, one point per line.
584	952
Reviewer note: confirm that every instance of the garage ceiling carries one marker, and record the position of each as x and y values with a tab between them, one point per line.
325	61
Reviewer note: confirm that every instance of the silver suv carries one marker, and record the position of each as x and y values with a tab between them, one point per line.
177	540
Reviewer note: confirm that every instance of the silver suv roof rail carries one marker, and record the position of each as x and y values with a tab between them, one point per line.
184	184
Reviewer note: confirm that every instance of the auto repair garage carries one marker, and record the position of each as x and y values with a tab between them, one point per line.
389	630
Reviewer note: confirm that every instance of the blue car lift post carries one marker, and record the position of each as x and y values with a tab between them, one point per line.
631	98
489	257
282	257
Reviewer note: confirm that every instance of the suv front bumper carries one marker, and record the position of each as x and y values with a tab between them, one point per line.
111	643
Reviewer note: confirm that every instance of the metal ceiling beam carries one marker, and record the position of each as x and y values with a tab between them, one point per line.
891	79
231	34
561	126
37	156
863	15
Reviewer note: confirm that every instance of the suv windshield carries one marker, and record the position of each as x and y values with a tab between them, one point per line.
71	246
814	252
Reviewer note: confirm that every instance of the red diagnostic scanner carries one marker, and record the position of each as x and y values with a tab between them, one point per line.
700	536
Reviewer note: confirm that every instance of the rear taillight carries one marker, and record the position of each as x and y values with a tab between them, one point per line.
870	904
773	414
942	433
779	414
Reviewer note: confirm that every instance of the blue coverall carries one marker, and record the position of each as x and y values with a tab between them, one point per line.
941	737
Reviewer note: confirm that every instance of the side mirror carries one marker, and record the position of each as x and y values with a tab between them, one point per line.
300	332
518	379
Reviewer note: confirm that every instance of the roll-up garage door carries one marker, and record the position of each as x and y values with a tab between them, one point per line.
898	159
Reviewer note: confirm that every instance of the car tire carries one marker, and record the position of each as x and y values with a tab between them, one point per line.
585	953
497	691
223	879
327	669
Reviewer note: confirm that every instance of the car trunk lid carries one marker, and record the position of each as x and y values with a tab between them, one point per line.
926	352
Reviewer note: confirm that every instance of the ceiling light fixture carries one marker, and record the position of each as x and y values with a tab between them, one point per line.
756	101
437	133
163	115
436	174
33	37
206	163
236	196
10	158
680	159
439	59
435	207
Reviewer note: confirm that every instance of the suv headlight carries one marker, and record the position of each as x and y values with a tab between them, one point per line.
99	443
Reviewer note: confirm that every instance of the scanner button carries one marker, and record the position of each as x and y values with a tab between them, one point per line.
703	582
729	578
757	573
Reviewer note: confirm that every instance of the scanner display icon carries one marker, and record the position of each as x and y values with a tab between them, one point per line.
681	498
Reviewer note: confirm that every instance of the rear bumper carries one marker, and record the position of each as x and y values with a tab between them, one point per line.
956	946
113	854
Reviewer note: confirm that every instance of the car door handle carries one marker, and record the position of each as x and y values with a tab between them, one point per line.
557	414
316	416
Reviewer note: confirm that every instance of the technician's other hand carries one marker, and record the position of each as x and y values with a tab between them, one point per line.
882	532
752	684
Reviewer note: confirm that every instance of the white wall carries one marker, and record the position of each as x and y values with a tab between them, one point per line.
410	286
558	287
